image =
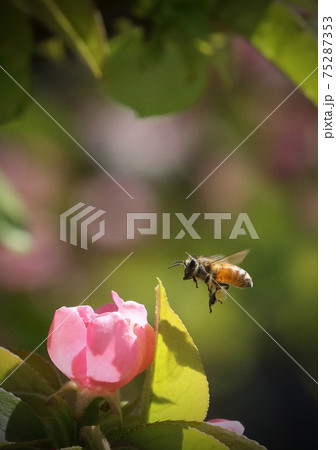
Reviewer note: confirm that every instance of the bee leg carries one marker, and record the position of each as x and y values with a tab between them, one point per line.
195	281
225	287
210	309
212	301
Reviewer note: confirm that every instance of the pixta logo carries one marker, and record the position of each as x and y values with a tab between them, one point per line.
84	217
242	225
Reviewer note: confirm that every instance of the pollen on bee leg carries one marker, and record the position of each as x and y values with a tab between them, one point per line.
221	295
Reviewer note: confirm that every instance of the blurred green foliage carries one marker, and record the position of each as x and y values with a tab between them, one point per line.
14	230
155	55
77	23
154	80
15	58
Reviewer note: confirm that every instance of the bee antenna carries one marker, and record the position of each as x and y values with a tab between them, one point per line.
177	263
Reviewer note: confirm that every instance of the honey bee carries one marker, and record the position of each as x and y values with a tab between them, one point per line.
218	273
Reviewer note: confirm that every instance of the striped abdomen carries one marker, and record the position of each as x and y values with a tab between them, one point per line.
231	274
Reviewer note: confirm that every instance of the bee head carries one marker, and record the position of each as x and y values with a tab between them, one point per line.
191	266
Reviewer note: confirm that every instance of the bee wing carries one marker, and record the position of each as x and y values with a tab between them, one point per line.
215	258
235	258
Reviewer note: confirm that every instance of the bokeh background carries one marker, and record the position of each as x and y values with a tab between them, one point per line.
160	160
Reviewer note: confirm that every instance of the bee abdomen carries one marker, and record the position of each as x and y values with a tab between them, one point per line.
247	280
243	279
235	276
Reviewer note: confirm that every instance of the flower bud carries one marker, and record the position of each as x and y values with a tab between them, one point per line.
102	349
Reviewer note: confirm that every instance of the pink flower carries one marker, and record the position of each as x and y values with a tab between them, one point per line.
232	425
102	349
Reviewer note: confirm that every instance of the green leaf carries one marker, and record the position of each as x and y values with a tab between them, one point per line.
61	425
76	447
15	53
37	403
129	406
309	6
42	366
36	444
232	440
110	425
176	387
78	23
91	414
22	378
14	232
94	438
152	80
243	16
172	436
17	420
280	35
284	38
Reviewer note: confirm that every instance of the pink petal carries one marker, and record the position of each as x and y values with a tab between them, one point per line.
109	307
135	312
112	350
145	353
86	313
116	299
146	343
232	425
66	342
